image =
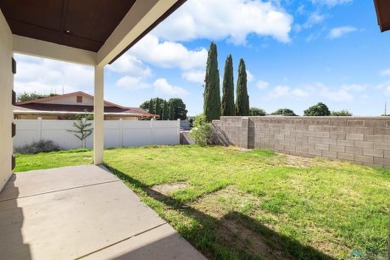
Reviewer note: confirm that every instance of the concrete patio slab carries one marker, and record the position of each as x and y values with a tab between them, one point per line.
83	211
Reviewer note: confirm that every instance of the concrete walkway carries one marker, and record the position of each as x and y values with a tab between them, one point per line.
82	212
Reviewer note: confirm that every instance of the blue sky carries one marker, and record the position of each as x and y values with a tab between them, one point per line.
297	53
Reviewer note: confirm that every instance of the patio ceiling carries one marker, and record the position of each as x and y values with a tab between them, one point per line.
382	8
85	24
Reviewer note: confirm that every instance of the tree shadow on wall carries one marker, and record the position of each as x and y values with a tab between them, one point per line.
233	236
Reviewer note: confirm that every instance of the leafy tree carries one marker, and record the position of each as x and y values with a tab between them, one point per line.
171	111
145	105
157	107
151	107
254	111
284	112
242	98
320	109
201	131
212	99
227	106
179	108
165	111
342	112
25	96
83	128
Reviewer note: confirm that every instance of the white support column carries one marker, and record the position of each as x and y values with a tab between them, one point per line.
98	132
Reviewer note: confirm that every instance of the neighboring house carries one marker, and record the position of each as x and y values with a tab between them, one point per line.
67	106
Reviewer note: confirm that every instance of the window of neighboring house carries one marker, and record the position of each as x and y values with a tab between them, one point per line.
79	99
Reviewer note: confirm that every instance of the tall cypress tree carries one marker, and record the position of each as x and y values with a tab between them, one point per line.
158	107
171	111
212	99
151	107
165	112
242	101
227	106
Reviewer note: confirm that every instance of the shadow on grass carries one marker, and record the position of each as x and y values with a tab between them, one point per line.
234	236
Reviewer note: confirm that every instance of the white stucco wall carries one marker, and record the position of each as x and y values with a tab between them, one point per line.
6	86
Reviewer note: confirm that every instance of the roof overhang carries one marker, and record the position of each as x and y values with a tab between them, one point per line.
382	8
92	32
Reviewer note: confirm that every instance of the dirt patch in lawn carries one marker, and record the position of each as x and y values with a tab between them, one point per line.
299	162
168	188
238	236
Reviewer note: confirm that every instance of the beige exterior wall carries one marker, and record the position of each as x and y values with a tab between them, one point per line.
6	115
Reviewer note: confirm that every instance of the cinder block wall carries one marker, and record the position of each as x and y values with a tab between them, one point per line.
362	140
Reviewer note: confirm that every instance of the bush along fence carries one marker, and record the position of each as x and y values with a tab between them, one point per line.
361	140
117	133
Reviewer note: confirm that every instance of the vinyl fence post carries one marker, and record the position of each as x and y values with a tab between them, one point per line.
178	131
40	128
121	131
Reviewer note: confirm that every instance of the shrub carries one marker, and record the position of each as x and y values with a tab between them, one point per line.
284	112
342	112
201	131
41	146
320	109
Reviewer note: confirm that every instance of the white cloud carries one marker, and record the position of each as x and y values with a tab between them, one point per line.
385	72
196	76
331	2
385	87
220	19
314	18
262	85
280	91
342	93
46	76
286	91
249	76
132	83
164	89
168	54
340	31
130	65
300	93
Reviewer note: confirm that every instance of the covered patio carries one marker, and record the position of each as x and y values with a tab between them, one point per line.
85	211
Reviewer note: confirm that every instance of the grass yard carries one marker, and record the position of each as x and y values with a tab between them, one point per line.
237	204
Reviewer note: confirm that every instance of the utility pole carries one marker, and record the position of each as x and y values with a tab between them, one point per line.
385	109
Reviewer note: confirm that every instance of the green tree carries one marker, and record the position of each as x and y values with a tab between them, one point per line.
151	107
320	109
254	111
26	96
179	108
171	111
145	105
157	107
212	98
165	113
227	106
82	127
201	131
284	112
242	98
342	112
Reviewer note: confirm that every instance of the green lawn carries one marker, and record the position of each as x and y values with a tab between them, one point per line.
237	204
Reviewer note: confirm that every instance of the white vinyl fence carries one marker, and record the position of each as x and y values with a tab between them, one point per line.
118	133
